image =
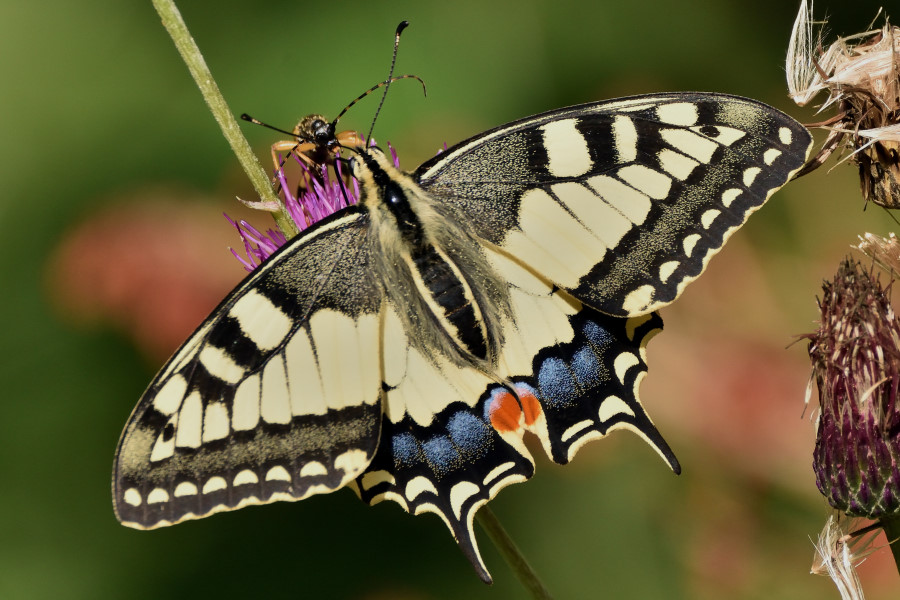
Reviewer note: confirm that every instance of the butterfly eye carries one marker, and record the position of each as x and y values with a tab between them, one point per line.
354	166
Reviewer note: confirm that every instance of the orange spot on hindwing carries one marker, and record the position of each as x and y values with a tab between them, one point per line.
507	414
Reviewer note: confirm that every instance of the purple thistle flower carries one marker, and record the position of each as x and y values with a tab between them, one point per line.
856	364
323	196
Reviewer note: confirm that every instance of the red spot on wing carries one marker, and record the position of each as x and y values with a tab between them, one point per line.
507	411
530	406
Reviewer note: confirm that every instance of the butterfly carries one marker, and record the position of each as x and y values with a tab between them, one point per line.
402	346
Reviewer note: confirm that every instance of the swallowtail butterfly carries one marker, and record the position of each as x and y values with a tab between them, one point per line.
402	346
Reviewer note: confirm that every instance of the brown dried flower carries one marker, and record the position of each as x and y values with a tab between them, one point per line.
861	74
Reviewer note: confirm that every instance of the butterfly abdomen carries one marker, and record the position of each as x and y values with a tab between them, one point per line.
451	299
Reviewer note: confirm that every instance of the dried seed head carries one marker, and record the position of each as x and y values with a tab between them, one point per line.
838	555
861	75
885	252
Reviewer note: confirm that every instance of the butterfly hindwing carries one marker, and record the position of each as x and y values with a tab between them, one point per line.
255	406
453	438
621	203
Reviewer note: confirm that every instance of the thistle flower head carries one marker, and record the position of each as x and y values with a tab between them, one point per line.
856	364
325	192
861	75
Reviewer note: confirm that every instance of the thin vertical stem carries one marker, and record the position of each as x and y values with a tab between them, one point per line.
511	553
891	526
174	24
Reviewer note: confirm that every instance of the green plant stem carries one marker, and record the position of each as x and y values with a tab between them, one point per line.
891	526
174	24
511	554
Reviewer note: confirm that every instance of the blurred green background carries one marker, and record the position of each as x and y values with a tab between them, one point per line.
115	175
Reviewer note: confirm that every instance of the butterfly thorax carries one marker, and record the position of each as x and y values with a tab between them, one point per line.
429	266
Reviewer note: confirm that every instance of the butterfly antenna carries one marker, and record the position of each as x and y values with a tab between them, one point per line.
387	82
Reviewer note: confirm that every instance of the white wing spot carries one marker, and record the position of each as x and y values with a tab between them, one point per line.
245	477
132	497
770	155
785	136
307	397
260	320
497	471
551	241
313	469
567	150
352	461
168	398
418	485
185	488
276	404
690	143
643	178
638	300
459	493
633	204
342	340
689	242
569	433
626	138
728	135
612	406
190	422
215	422
677	164
622	363
604	221
666	270
163	449
750	175
214	484
373	478
220	364
157	495
278	473
729	196
707	218
678	113
245	410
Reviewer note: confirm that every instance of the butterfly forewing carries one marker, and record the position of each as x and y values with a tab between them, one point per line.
258	404
621	203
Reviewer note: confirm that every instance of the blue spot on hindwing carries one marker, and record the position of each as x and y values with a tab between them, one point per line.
406	449
469	433
597	335
440	453
556	383
587	368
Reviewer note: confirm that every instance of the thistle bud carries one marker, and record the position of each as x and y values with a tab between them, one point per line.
856	365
